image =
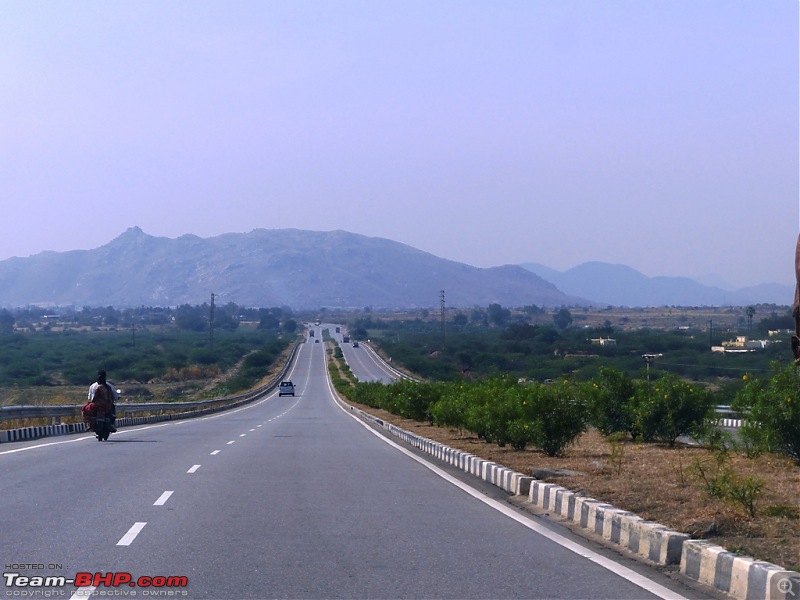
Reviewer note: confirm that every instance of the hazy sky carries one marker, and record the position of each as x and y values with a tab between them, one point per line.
660	134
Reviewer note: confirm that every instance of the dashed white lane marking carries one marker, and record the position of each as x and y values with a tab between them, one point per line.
242	434
193	469
252	430
162	499
132	533
231	442
82	593
215	452
171	423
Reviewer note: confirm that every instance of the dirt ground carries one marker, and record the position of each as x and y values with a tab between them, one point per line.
660	484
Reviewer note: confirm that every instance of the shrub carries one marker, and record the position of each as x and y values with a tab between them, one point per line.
609	397
414	400
720	481
521	433
773	413
556	413
450	409
669	408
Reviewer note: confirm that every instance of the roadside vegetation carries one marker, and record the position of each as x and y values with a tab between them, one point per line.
154	354
615	430
530	389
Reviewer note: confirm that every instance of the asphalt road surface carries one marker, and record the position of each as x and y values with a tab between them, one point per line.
289	497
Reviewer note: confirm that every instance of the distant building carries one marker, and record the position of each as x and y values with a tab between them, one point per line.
604	341
774	332
740	345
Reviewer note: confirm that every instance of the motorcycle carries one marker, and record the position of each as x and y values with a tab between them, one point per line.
99	421
101	427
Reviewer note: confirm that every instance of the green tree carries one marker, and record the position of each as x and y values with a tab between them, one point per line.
6	322
609	396
750	311
669	408
772	413
498	315
563	318
191	318
556	413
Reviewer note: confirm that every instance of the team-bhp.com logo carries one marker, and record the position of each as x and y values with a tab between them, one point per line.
157	585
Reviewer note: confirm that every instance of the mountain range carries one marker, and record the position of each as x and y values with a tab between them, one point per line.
279	267
336	269
619	285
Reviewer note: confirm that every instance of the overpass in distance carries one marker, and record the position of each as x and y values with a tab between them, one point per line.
289	497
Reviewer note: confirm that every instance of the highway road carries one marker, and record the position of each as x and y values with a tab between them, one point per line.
288	497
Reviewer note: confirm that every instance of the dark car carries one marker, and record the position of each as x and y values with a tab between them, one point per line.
286	388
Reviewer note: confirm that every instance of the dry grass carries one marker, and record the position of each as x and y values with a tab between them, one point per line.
660	484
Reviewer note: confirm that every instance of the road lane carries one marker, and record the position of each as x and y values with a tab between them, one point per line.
304	503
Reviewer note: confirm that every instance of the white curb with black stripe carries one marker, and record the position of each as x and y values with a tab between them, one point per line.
740	577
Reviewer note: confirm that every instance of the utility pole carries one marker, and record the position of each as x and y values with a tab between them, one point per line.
441	300
211	322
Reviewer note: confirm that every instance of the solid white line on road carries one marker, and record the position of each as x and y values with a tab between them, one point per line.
193	469
215	452
131	535
623	571
169	423
162	499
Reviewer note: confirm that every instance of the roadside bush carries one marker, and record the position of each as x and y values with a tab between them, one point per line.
719	480
450	410
414	400
609	397
521	433
556	414
487	410
669	408
504	409
772	411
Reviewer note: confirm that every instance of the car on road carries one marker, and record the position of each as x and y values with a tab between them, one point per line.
286	388
355	344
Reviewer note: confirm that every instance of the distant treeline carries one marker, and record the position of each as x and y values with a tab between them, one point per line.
497	341
44	348
186	317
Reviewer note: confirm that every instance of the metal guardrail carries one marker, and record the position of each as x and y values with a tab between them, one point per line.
387	366
129	408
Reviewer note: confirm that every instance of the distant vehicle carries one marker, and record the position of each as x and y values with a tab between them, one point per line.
316	322
355	344
346	339
337	329
311	333
286	388
316	341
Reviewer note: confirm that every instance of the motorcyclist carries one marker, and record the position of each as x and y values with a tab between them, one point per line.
106	400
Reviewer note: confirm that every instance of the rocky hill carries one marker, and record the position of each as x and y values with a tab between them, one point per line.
285	267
